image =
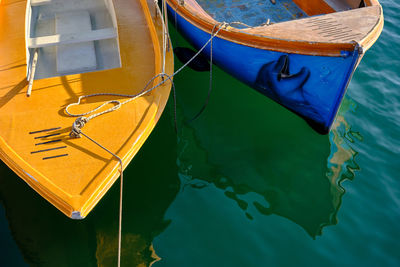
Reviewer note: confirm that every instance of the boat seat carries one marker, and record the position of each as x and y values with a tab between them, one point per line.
74	39
78	37
76	57
40	2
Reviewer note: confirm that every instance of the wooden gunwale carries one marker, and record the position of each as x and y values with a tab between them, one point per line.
314	7
374	33
160	98
275	44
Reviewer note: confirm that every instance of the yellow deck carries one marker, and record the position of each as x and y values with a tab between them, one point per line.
75	183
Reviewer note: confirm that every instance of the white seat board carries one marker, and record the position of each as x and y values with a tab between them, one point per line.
75	57
79	37
40	2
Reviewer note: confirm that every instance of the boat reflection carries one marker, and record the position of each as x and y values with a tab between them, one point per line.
246	145
342	159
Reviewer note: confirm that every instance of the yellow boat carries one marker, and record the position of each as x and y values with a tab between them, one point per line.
56	51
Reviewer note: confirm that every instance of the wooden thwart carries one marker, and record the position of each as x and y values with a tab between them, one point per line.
40	2
354	25
79	37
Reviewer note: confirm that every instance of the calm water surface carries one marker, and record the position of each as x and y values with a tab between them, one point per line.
247	184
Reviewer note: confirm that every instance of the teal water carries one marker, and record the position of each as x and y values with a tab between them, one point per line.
246	184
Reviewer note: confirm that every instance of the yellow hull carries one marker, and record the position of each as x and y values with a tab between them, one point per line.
76	181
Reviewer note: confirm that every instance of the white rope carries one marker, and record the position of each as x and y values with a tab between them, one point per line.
220	26
120	193
164	41
121	187
117	102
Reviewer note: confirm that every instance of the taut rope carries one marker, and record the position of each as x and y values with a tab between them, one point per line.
210	82
120	192
80	122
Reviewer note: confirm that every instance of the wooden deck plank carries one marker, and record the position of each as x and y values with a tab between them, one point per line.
291	37
338	27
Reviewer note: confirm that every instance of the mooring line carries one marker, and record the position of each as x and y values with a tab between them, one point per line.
79	123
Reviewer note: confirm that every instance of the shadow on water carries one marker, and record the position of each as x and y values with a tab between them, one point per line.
245	143
46	237
296	171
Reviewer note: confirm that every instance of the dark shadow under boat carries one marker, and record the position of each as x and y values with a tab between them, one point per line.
249	145
46	237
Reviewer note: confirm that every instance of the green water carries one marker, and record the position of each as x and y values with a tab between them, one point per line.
246	184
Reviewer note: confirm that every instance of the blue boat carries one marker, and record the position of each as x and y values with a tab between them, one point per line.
300	53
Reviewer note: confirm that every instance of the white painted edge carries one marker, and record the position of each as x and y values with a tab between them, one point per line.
76	215
30	176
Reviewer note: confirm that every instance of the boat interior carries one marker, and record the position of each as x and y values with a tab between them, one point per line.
334	25
71	37
259	12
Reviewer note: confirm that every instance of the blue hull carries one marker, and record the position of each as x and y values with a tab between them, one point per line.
310	86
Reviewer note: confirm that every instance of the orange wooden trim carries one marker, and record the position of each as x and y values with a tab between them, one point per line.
314	7
371	2
261	41
95	198
154	38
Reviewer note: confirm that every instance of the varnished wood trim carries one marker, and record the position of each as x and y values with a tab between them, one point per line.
314	7
260	41
154	38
